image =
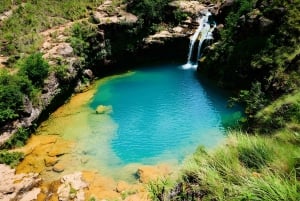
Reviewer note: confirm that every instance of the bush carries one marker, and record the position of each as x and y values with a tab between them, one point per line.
12	90
18	139
151	11
86	42
11	158
254	154
36	68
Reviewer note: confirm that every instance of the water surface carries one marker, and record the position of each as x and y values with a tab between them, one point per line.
160	114
163	113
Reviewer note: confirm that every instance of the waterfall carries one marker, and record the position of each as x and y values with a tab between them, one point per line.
203	32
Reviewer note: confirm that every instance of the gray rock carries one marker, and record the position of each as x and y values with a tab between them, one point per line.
88	73
265	24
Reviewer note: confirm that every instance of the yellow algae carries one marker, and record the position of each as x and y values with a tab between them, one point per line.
102	187
75	138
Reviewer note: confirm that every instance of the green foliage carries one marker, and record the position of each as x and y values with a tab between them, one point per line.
271	187
61	72
254	154
179	15
253	99
36	68
18	139
11	158
12	90
86	42
7	4
247	56
284	111
151	11
19	33
158	188
246	168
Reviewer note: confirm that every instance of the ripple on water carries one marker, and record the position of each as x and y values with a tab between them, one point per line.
160	115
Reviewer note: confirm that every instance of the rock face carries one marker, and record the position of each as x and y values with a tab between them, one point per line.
192	7
22	187
107	13
72	188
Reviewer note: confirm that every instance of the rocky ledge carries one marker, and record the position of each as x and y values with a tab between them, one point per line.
22	187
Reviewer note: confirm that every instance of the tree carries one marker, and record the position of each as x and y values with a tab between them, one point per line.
36	68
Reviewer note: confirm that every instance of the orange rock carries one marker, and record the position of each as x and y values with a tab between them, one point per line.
50	161
148	173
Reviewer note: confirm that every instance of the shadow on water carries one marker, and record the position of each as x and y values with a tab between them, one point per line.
231	115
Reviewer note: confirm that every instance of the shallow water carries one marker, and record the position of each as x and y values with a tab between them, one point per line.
160	114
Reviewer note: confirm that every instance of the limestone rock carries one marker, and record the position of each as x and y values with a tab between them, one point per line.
148	173
23	187
265	24
50	161
102	109
193	7
108	14
88	73
65	49
72	187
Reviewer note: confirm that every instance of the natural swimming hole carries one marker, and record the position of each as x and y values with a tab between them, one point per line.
159	114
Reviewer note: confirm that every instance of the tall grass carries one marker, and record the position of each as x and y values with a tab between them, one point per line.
244	168
19	33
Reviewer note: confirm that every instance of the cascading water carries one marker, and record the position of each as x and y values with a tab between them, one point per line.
205	31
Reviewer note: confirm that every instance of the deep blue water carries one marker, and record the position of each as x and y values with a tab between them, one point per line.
163	113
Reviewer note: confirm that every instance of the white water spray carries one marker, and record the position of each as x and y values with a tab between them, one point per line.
203	32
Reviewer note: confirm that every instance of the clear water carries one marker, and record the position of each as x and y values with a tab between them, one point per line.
161	113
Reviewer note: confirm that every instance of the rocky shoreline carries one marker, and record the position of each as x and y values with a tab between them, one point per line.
56	49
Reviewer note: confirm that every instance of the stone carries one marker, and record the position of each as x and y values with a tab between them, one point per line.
23	187
122	186
149	173
58	168
178	29
31	195
72	187
50	161
102	109
88	73
65	49
265	24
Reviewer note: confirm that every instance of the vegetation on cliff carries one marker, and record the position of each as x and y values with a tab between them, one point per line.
257	56
258	52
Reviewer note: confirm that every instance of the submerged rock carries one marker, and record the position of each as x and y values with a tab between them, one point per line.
58	168
102	109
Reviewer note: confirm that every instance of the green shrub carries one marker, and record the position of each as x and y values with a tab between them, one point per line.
157	189
86	42
12	90
36	68
254	154
11	158
272	187
151	11
17	140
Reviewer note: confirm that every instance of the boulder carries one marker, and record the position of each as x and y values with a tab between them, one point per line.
265	24
65	49
58	168
88	73
72	187
23	187
50	161
102	109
